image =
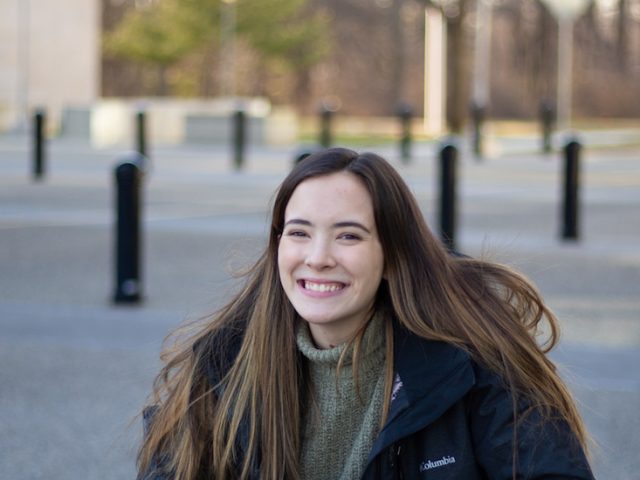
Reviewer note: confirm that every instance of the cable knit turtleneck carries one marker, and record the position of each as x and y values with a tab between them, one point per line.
339	426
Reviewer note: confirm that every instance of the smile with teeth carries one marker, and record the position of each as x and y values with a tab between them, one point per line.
321	287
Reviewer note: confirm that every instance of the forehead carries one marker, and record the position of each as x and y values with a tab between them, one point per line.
340	193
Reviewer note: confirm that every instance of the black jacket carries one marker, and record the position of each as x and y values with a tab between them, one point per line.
451	419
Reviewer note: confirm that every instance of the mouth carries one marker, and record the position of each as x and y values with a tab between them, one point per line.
321	287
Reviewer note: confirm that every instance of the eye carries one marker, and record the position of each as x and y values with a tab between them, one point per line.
295	233
349	236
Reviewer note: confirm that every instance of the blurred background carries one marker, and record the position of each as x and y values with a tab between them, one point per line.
141	142
87	61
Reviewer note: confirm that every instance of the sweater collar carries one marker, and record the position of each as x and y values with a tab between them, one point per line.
372	344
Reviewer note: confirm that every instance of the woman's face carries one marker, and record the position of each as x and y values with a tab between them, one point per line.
329	256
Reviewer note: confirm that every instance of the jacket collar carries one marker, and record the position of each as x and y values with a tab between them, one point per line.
431	373
431	376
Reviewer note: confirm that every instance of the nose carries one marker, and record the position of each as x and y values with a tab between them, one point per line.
320	255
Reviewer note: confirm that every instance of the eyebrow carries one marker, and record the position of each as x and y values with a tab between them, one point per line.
300	221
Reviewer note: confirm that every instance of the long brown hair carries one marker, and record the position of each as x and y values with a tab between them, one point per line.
487	309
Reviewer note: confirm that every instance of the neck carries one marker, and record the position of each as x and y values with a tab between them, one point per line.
326	336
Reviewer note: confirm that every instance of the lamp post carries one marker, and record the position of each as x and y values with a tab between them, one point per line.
482	53
565	11
482	56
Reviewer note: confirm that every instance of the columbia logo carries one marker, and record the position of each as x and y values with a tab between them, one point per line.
397	385
429	464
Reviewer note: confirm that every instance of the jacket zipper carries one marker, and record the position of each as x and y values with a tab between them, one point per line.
394	461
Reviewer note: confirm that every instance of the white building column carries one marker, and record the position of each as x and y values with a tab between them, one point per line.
435	67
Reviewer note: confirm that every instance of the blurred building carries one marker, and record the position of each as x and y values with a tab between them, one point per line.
49	57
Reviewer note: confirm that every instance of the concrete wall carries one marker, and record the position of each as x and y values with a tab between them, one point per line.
171	121
49	57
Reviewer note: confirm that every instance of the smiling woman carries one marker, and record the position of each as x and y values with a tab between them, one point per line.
330	259
360	347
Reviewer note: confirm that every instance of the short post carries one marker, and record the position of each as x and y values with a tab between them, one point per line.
141	133
405	113
547	119
239	138
327	112
38	144
448	163
478	115
301	154
571	203
128	178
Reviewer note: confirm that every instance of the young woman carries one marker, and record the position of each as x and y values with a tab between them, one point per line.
360	348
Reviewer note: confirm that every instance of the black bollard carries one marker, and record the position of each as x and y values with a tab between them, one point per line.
478	115
38	144
570	207
141	133
405	113
448	161
128	288
547	119
303	153
239	138
327	110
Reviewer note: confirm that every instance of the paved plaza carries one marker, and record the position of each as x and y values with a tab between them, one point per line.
75	369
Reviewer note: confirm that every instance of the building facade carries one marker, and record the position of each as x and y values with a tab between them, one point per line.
49	58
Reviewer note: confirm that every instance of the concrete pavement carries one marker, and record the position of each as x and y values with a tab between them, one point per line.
75	370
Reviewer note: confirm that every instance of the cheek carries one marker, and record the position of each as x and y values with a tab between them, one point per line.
368	268
285	259
376	267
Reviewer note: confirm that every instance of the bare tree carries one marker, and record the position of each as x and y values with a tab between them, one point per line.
458	63
623	34
399	58
376	60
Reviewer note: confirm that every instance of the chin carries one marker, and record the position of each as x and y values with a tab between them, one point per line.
317	319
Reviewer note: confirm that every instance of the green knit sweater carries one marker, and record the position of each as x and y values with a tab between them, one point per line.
339	426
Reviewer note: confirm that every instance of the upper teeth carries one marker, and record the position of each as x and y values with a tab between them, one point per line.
322	287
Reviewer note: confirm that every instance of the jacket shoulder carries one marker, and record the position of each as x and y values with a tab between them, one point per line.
504	427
